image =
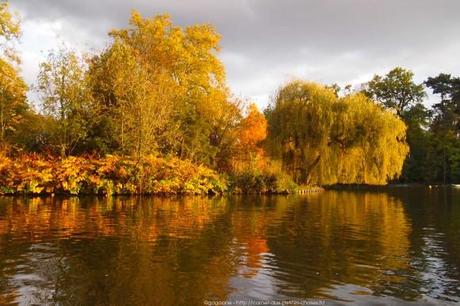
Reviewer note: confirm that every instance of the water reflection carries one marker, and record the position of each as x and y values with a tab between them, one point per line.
395	247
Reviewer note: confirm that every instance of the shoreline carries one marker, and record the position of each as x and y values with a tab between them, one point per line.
210	193
303	190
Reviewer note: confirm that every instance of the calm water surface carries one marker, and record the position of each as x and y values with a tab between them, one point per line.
400	247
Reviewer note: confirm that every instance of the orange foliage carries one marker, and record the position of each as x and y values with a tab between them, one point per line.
253	128
251	132
36	174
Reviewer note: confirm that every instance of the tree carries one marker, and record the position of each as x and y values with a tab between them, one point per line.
444	155
63	90
299	125
13	89
10	32
13	103
251	131
447	111
396	90
175	74
417	119
323	139
367	144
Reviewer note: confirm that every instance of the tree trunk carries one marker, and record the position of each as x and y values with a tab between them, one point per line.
310	168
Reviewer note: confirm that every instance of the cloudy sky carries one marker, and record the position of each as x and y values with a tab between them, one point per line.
268	42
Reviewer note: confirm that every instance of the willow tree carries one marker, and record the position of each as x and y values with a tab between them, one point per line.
299	126
367	144
323	139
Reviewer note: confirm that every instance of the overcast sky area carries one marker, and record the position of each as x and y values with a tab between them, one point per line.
266	43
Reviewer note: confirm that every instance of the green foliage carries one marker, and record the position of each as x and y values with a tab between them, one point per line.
396	90
367	144
299	125
432	135
270	179
443	150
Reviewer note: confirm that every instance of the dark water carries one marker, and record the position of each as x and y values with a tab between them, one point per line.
357	248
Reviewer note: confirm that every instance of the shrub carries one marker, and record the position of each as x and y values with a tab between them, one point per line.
111	175
269	179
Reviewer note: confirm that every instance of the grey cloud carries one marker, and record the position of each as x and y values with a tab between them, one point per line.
324	40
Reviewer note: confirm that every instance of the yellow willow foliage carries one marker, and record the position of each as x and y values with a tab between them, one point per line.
299	126
328	140
367	144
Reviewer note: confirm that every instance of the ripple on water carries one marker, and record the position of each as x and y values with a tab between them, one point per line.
346	247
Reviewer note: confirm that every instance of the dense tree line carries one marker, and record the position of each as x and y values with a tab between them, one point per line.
160	90
433	134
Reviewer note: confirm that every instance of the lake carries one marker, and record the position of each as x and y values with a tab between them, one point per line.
400	246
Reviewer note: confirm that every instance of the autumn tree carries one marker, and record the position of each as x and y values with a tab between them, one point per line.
175	74
63	91
299	124
252	129
10	32
323	139
13	89
223	136
249	134
367	144
12	99
138	103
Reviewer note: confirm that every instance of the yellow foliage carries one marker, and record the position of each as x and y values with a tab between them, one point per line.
35	174
322	139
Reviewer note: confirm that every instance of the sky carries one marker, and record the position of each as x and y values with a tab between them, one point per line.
266	43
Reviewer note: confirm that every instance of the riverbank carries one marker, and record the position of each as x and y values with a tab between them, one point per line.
34	174
357	187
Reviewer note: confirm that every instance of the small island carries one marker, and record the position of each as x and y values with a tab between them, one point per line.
152	114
